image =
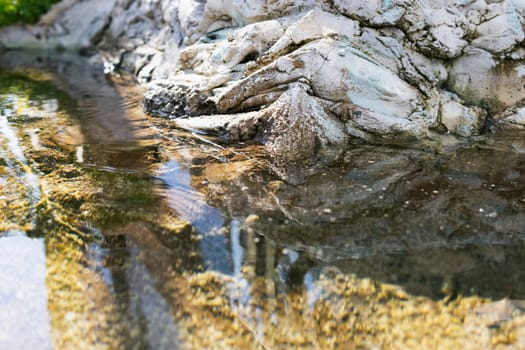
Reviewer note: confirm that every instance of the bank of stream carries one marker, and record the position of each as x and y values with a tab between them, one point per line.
120	231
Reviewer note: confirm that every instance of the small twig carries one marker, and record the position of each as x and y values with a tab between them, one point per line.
251	329
283	209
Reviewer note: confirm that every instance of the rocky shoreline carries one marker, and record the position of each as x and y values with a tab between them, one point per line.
308	77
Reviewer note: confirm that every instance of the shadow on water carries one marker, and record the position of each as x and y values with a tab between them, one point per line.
147	237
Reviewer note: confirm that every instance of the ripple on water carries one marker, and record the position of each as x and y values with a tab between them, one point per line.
180	243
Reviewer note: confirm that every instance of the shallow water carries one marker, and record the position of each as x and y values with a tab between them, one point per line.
119	231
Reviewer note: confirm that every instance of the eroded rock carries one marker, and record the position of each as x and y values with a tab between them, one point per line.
512	118
396	72
483	80
297	126
501	27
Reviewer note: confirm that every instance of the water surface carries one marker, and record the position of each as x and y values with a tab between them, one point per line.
119	231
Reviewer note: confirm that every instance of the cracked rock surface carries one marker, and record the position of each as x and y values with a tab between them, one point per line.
306	77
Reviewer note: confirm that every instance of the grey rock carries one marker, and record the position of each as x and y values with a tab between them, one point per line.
482	80
501	28
399	72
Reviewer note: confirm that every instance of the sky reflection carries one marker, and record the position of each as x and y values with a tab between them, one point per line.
24	316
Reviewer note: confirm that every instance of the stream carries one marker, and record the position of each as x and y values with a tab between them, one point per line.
120	231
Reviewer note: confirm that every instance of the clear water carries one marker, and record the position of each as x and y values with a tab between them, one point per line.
118	231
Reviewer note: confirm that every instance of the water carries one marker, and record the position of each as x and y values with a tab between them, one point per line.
118	231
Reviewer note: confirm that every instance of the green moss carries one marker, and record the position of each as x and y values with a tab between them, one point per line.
25	11
37	91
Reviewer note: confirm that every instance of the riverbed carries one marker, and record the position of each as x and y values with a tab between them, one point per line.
121	231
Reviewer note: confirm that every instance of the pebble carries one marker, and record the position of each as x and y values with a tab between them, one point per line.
252	219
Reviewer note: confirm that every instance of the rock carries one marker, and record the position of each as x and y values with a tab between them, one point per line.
297	126
232	127
459	119
314	25
513	118
219	14
179	98
336	72
227	48
144	37
374	13
437	32
388	72
482	80
501	28
413	67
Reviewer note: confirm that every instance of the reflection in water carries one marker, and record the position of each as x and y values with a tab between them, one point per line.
80	154
23	294
191	206
18	175
161	331
176	243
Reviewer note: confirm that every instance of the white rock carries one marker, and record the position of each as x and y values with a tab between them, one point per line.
458	118
299	127
354	78
235	127
514	118
480	80
315	24
502	31
231	48
375	12
437	32
376	70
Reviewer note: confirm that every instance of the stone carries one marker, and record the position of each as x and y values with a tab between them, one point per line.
375	13
501	28
439	33
401	72
482	80
314	25
227	49
353	78
297	126
458	118
232	127
513	119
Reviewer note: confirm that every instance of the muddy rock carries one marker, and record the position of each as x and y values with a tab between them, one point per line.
512	118
483	80
303	126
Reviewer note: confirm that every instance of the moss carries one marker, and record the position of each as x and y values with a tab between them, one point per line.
24	11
